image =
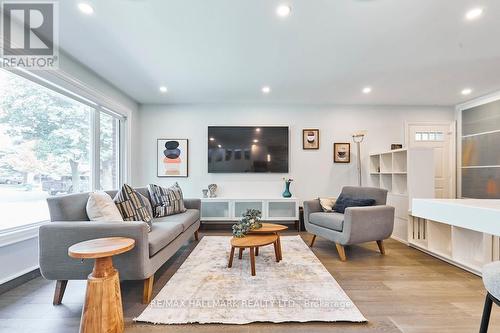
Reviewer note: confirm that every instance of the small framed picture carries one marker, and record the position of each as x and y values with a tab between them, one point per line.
172	157
341	152
310	139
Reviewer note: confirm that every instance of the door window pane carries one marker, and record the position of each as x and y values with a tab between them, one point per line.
44	149
109	151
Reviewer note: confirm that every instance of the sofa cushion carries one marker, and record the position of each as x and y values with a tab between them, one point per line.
186	219
162	234
333	221
101	207
132	205
344	201
166	200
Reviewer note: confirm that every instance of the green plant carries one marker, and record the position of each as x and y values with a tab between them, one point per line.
250	220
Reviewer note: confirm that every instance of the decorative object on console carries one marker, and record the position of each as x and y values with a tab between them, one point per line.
395	146
166	201
213	190
342	152
101	207
172	157
249	221
287	193
205	193
358	137
310	139
327	204
132	205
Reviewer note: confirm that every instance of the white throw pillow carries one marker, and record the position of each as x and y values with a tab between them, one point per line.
327	204
102	208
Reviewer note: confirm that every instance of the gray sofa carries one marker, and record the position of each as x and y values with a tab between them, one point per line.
70	224
356	225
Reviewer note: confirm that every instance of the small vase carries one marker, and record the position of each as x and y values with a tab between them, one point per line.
287	193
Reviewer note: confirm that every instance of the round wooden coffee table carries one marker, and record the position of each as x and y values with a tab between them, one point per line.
252	242
102	310
270	228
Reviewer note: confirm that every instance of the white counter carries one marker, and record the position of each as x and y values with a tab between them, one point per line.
480	215
463	232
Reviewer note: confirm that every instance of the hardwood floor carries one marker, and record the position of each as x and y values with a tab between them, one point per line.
403	291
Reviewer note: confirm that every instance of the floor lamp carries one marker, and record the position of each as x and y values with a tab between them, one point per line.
358	138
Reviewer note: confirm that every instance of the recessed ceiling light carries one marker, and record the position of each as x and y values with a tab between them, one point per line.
255	141
266	89
283	10
367	90
163	89
466	91
86	8
220	146
257	129
212	139
474	13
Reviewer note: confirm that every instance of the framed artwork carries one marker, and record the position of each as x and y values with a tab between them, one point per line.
172	157
310	139
342	152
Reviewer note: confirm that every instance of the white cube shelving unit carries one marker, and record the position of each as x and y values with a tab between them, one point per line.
406	174
229	210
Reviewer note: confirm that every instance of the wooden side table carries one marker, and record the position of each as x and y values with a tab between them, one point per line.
270	228
252	242
102	310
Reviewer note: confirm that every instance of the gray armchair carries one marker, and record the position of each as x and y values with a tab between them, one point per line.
356	225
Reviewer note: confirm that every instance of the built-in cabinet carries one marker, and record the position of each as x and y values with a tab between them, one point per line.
231	209
406	174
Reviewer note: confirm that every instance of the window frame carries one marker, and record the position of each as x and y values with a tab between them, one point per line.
30	230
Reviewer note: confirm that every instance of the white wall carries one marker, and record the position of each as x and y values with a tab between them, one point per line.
314	172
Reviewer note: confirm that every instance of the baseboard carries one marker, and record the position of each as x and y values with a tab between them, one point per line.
15	281
400	240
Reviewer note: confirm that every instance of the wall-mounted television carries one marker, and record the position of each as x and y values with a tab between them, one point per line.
247	149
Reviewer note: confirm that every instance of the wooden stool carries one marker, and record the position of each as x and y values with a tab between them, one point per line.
102	310
270	228
252	242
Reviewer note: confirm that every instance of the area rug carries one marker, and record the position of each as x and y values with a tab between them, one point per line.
204	290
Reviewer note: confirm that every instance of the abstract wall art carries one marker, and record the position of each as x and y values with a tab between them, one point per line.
172	157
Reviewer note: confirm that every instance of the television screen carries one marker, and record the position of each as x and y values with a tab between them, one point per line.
233	149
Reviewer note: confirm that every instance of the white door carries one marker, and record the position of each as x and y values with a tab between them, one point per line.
441	137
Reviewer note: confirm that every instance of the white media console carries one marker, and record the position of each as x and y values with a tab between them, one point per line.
229	210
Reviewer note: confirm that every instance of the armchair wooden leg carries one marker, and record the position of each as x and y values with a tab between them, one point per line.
381	247
148	290
341	251
312	241
196	235
59	292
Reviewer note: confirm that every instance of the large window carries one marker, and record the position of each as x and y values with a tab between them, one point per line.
47	148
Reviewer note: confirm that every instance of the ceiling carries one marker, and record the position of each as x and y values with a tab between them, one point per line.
411	52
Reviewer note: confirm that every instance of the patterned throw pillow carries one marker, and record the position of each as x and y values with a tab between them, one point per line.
166	201
132	205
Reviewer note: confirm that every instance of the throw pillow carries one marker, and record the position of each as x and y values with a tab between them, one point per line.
166	201
101	207
132	205
344	202
327	204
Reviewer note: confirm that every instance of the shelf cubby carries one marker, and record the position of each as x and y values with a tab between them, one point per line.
386	163
399	184
471	247
375	164
399	162
439	239
386	182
